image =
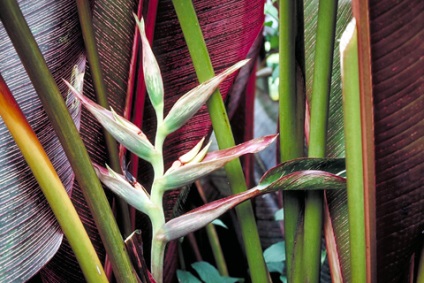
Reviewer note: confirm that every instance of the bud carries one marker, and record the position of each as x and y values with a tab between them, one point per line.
152	75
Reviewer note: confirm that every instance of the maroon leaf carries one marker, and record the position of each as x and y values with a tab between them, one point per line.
397	74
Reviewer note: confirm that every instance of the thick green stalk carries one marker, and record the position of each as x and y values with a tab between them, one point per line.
326	29
291	124
54	105
353	145
101	94
204	70
52	187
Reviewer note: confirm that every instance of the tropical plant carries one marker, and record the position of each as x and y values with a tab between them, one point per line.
389	141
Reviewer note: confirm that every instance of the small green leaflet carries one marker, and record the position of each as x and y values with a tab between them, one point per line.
208	274
275	257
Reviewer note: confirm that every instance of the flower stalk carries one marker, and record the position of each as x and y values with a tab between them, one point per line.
187	169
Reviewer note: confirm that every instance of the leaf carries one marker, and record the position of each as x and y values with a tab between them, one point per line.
209	274
114	33
279	215
398	101
188	173
186	277
332	165
30	234
275	252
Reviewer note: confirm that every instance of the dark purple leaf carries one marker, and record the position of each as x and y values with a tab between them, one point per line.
29	232
397	73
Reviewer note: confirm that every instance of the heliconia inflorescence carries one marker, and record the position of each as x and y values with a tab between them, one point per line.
189	167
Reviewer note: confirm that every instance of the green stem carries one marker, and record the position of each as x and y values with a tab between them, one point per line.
158	244
157	217
353	145
220	122
52	187
101	94
54	105
214	239
327	13
216	249
291	123
420	275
